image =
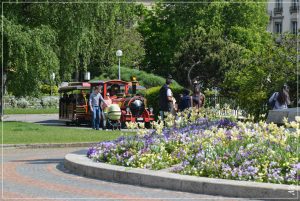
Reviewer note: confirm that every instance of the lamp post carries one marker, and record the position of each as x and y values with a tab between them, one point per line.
52	77
215	93
119	53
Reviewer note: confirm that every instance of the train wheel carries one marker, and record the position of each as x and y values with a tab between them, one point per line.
123	125
77	123
147	125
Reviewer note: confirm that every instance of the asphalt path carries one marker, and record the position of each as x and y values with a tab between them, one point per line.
39	174
47	119
42	119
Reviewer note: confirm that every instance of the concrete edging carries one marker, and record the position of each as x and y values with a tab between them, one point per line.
82	165
49	145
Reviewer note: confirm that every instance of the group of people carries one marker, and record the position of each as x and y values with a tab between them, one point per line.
167	102
98	106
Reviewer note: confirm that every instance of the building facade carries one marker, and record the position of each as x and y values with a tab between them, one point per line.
284	16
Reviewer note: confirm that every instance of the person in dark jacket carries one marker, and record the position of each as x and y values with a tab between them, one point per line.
185	100
166	98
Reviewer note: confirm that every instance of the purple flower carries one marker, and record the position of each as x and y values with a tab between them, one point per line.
92	151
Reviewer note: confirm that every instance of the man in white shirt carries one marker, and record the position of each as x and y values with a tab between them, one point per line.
166	98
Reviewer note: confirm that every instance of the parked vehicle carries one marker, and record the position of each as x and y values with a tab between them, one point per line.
73	103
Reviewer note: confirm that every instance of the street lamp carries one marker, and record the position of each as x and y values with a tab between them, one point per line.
216	89
119	53
52	78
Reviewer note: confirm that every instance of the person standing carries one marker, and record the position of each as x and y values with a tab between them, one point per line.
108	102
166	98
185	100
94	103
280	100
198	98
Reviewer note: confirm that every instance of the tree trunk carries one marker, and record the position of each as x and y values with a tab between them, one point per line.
189	73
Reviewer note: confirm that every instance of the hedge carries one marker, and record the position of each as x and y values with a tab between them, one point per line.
145	79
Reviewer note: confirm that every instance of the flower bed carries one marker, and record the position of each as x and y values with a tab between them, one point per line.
211	148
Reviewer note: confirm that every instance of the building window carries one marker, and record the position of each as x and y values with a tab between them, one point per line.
278	7
294	6
295	3
278	4
294	27
278	27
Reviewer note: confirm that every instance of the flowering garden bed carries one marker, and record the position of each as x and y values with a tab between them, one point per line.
210	147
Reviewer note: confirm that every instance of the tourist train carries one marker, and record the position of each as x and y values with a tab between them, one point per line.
127	104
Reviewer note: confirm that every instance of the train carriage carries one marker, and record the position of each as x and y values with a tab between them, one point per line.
73	103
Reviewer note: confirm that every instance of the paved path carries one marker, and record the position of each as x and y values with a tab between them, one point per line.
38	174
43	119
34	118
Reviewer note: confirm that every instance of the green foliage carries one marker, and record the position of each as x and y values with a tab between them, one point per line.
66	39
212	33
256	79
152	96
46	89
211	56
145	79
32	57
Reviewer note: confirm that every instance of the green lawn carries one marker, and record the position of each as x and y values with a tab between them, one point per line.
27	133
30	111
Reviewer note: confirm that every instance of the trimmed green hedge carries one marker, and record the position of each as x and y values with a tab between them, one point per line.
145	79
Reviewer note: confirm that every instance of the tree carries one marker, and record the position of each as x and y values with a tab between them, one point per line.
67	39
31	57
263	73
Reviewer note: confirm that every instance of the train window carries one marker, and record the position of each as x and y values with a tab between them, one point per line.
116	89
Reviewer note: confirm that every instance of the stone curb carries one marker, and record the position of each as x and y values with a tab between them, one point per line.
80	164
49	145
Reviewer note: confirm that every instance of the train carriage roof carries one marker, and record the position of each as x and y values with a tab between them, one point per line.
108	81
72	88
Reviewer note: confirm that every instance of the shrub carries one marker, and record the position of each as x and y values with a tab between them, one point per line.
46	89
48	101
145	79
22	103
34	102
12	101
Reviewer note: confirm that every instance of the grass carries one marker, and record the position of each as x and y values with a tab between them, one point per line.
29	133
30	111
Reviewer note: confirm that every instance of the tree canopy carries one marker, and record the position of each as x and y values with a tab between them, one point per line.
66	39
